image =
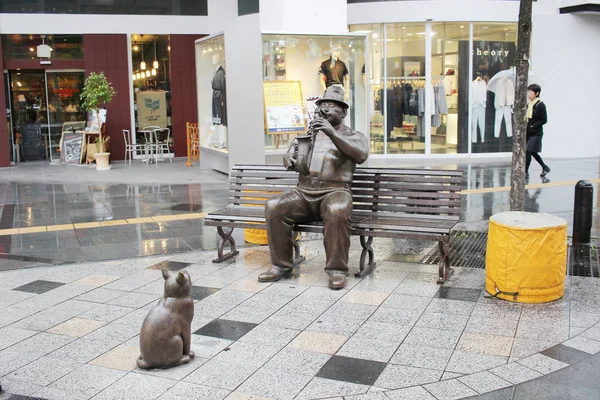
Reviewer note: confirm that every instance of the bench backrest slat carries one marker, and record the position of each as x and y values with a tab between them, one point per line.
385	190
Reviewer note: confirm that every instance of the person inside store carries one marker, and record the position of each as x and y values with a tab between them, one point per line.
536	118
323	193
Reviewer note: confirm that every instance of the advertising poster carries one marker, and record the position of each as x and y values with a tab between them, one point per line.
72	142
284	112
491	112
152	109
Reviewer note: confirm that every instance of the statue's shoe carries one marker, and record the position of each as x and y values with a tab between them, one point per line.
274	274
337	280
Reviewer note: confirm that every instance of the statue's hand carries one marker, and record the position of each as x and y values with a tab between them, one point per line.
321	124
290	164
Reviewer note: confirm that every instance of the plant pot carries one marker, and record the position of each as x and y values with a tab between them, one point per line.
102	161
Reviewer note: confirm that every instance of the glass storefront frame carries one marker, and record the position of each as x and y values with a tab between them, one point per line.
383	27
53	108
354	48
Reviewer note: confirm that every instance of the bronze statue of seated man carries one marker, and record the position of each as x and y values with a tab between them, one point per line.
323	191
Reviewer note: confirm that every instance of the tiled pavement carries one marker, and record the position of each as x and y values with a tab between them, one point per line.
69	323
71	332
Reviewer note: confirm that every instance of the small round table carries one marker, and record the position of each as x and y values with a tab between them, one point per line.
526	257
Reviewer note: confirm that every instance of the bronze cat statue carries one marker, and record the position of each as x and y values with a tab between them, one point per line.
166	332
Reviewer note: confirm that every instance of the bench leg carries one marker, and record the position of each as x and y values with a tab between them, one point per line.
297	257
225	238
367	250
444	266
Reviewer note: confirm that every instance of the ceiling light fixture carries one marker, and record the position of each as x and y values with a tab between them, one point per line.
143	63
155	63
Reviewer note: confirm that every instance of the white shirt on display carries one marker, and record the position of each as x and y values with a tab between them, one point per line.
478	93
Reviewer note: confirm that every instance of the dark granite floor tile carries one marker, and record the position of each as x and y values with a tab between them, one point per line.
197	230
110	251
186	207
199	243
19	246
353	370
103	239
502	394
19	397
86	218
546	390
149	235
9	264
171	265
39	287
226	329
565	354
457	293
163	246
201	292
26	223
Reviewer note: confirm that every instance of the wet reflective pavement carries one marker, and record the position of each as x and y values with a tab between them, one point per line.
50	215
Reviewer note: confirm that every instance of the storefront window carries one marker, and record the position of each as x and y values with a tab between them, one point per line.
406	95
448	67
458	93
374	82
24	47
492	98
303	63
151	82
212	101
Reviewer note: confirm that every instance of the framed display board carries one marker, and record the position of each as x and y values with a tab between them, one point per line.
284	111
72	146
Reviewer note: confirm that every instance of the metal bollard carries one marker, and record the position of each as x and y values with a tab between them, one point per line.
582	213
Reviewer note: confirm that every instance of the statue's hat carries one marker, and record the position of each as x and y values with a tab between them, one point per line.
334	93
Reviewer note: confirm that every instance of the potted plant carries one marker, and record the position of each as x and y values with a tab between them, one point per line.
97	91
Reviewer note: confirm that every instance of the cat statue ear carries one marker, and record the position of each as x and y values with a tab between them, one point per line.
180	278
165	274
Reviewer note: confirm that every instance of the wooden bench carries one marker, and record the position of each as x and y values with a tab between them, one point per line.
388	202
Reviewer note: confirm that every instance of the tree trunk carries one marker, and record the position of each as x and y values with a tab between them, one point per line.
517	183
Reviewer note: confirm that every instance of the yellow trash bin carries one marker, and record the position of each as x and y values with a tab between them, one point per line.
526	257
255	236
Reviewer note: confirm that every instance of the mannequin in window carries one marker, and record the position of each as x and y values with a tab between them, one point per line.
503	102
478	104
219	101
333	71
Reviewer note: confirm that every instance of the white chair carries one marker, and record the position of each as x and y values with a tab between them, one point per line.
162	139
130	148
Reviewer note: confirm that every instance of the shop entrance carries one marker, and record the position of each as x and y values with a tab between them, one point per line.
43	104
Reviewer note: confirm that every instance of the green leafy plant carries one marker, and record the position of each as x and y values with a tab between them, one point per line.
97	91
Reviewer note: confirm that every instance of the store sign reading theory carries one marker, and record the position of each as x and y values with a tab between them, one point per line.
283	107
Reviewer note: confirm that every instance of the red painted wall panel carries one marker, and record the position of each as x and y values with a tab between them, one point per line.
104	53
184	107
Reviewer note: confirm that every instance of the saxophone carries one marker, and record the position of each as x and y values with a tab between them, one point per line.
303	149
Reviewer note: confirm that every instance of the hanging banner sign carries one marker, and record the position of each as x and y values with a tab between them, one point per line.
283	107
152	109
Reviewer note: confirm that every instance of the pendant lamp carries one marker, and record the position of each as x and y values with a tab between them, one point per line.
155	63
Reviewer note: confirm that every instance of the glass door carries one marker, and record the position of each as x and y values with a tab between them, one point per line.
29	114
64	111
11	139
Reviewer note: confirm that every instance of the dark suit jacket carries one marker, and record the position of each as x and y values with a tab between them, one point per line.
538	119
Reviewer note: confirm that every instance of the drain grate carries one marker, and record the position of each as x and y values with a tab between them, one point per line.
468	250
466	247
